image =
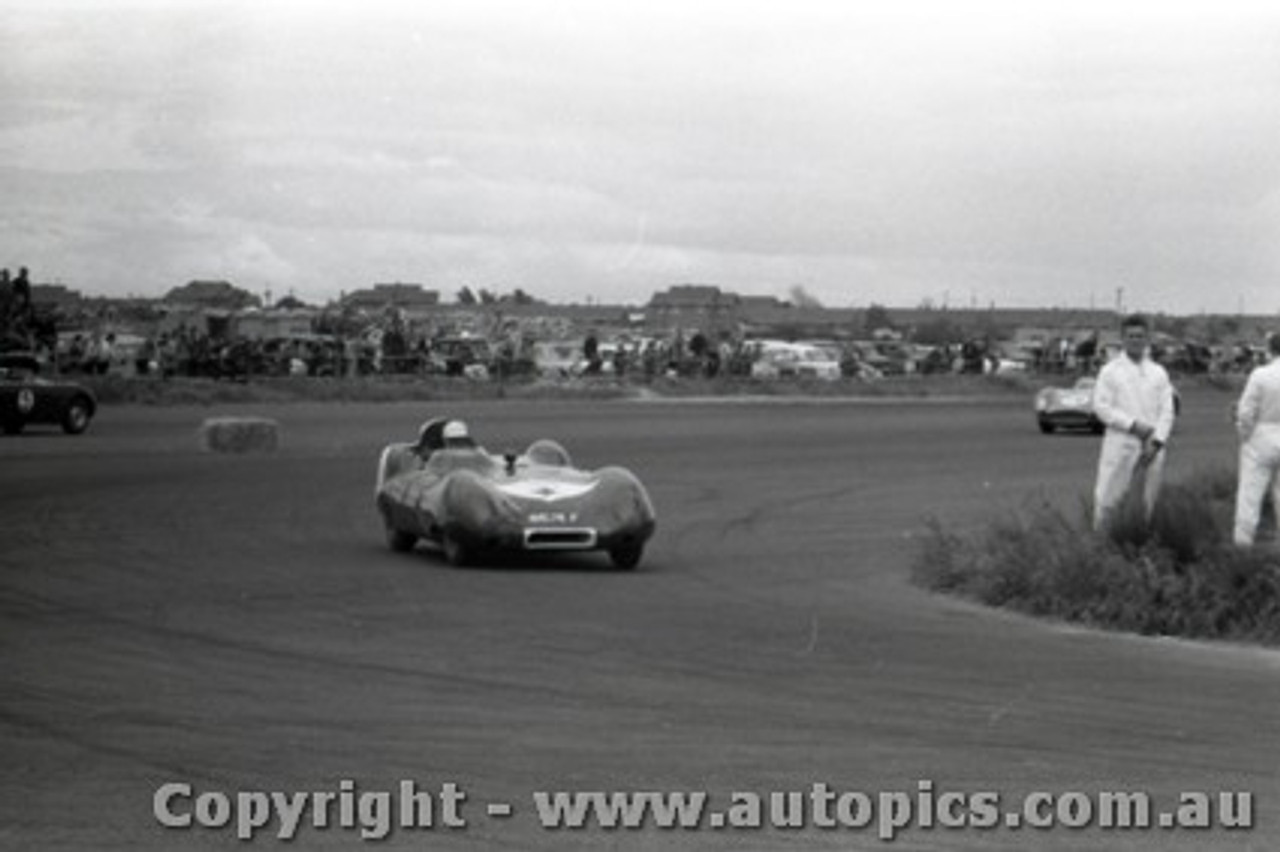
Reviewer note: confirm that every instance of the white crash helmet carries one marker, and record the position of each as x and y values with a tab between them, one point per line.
456	434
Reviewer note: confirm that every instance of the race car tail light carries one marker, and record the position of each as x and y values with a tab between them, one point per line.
559	538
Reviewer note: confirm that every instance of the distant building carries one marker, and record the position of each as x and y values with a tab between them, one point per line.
276	323
701	306
55	296
381	296
762	303
221	295
693	298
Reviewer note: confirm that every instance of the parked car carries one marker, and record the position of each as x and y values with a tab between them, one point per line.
469	357
27	397
557	359
794	360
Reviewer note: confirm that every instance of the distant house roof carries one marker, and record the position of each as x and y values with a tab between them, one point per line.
694	297
54	294
211	294
770	302
396	295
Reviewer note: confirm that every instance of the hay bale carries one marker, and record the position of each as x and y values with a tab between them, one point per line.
239	435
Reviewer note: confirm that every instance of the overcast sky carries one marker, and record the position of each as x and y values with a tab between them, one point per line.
1023	153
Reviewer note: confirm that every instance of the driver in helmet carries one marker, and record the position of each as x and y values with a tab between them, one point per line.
457	436
440	433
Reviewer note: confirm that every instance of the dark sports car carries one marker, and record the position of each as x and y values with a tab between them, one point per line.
468	502
27	397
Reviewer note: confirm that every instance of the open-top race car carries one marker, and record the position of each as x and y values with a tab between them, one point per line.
445	490
1068	408
27	397
1072	408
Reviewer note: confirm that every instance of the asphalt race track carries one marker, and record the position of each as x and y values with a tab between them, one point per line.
237	624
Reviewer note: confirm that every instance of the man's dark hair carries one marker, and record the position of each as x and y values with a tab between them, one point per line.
1273	342
1135	320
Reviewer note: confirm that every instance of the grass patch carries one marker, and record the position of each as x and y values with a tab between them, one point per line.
119	390
908	386
1178	576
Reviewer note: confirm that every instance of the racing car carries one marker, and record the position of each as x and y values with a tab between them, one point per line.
447	491
1068	408
27	397
1072	408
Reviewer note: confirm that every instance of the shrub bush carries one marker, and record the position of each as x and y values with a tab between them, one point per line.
1179	576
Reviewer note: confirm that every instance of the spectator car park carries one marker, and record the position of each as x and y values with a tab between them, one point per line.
778	360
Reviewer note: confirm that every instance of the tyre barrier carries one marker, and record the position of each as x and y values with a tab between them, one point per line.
239	435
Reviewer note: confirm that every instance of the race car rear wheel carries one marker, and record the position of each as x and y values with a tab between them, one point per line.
627	556
12	425
455	552
76	418
1046	427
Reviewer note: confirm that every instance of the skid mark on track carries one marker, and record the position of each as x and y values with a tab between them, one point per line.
780	508
27	726
316	661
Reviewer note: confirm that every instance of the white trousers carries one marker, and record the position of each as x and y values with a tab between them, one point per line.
1259	462
1116	462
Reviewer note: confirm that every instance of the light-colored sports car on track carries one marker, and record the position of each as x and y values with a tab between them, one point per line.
1072	408
1068	408
445	490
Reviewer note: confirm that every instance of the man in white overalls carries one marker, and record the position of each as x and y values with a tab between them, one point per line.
1258	422
1134	399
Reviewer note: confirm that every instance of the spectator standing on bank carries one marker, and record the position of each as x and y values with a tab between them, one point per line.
145	355
106	353
22	292
1258	422
591	354
1134	399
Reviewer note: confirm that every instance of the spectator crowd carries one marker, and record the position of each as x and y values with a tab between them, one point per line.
389	343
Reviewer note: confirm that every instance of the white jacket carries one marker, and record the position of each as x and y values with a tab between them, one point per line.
1128	391
1260	402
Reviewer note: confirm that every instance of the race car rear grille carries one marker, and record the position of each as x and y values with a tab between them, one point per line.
560	538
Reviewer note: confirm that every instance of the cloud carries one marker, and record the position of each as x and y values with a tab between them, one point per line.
1028	152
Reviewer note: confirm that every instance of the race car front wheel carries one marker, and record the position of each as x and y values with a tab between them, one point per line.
627	556
399	540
